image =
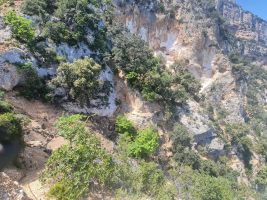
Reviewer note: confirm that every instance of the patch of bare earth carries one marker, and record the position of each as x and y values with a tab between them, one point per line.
41	139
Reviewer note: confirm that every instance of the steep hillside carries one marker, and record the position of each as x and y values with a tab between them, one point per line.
172	95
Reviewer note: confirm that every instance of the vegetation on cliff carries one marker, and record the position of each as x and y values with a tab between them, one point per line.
139	167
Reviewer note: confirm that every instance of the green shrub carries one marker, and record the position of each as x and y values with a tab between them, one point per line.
74	168
71	127
210	188
125	126
73	23
145	143
181	148
58	32
261	178
181	137
199	186
38	7
144	181
5	107
244	145
2	95
185	79
151	177
80	80
33	87
45	55
21	27
10	127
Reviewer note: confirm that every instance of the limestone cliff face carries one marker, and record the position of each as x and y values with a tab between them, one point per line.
205	33
185	32
247	27
193	30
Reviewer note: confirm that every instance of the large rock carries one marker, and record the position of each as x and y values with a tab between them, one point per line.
9	76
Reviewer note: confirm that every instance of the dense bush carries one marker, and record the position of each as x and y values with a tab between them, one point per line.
58	32
185	156
133	142
21	27
125	126
38	7
73	24
146	181
199	186
185	80
182	144
71	127
261	178
81	80
210	188
244	145
5	107
145	143
74	168
33	87
10	127
74	19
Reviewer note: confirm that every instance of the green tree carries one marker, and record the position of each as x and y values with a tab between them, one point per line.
79	79
143	181
21	27
33	87
40	8
74	168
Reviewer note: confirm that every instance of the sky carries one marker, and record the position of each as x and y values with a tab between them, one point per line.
258	7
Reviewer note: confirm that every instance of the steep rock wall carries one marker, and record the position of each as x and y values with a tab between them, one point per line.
249	30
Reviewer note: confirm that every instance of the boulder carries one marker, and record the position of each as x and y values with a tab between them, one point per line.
9	76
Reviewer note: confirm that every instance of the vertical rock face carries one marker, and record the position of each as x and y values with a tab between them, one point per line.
205	32
189	28
181	33
247	27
